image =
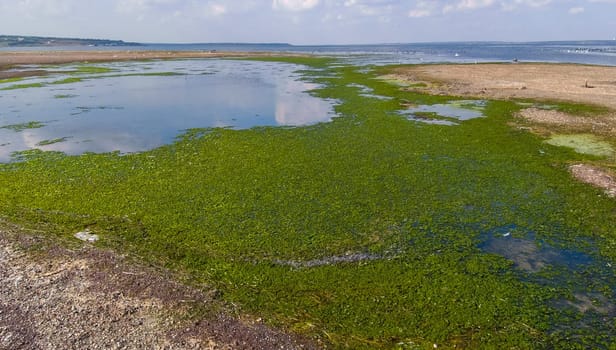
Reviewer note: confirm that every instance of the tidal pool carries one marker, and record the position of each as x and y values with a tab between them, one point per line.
136	106
586	277
445	114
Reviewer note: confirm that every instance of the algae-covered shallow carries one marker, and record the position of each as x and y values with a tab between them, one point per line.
366	232
140	106
583	143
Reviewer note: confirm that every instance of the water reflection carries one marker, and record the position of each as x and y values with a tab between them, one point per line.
112	111
446	114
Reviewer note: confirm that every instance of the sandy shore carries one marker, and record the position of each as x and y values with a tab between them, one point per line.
563	82
594	85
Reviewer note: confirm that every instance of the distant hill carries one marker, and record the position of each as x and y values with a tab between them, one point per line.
26	41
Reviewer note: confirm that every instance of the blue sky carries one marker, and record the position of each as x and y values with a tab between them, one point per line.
312	21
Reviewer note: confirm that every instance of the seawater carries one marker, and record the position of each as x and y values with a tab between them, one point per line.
601	52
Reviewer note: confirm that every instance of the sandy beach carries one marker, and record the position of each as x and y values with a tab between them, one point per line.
562	82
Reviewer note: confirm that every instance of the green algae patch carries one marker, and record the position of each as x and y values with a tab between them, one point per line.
584	144
22	86
61	96
67	81
51	142
23	126
365	232
11	80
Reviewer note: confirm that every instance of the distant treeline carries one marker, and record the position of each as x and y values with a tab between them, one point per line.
20	41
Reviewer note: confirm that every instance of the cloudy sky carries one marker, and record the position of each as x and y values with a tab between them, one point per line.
312	21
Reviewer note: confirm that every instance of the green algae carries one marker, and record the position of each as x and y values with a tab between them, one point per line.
22	86
51	142
11	80
23	126
224	206
61	96
584	144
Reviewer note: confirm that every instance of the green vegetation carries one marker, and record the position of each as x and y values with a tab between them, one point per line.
237	209
51	142
22	86
583	143
65	96
67	81
23	126
10	80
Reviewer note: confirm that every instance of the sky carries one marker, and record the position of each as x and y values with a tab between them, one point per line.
308	22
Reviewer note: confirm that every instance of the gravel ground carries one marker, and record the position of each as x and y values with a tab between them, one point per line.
52	297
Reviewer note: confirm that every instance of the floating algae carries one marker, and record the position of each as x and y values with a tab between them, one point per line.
583	143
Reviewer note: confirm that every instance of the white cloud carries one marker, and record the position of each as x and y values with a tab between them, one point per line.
214	9
32	9
576	10
423	9
465	5
294	5
140	6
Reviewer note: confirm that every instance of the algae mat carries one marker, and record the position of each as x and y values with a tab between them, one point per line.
370	231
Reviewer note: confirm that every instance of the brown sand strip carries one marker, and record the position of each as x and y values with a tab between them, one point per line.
563	82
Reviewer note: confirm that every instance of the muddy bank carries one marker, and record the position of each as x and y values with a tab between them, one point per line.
52	297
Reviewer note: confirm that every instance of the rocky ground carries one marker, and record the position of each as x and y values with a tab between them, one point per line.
53	297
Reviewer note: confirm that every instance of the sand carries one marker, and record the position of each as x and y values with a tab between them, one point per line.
562	82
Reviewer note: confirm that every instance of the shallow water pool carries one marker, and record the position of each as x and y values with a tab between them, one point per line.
132	107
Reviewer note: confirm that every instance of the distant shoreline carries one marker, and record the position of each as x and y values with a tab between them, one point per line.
10	59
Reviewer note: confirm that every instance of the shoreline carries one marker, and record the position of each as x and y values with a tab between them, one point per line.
146	292
11	59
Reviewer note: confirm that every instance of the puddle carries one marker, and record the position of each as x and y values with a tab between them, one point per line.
583	276
584	144
523	250
365	91
331	260
446	114
116	112
592	302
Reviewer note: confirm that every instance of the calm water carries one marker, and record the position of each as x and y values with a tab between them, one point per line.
601	52
135	113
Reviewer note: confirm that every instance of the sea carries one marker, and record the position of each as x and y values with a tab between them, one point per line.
597	52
